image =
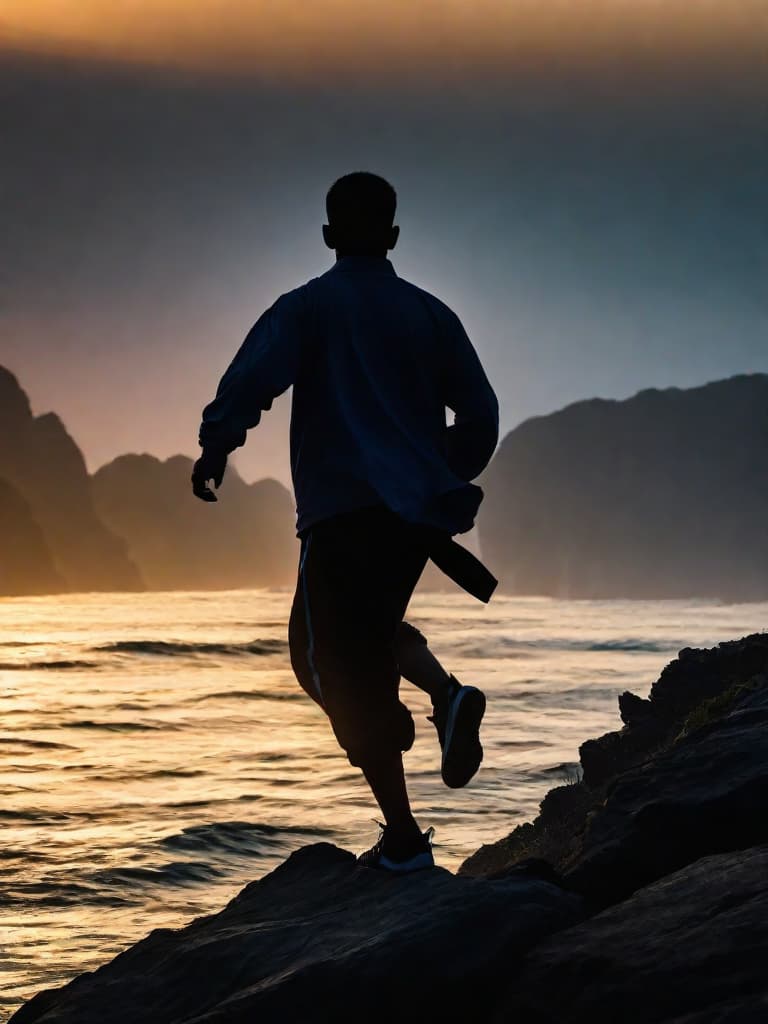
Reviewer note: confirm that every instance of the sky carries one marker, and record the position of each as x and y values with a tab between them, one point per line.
583	181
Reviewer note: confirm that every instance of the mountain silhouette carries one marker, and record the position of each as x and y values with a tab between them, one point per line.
247	539
47	504
133	525
26	563
664	495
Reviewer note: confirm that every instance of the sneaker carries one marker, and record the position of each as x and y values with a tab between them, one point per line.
400	861
457	719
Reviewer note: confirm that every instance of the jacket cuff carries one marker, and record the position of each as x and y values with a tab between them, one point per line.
218	441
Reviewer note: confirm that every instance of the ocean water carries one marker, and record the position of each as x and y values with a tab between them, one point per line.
156	754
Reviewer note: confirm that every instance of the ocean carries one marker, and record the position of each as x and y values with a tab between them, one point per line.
156	753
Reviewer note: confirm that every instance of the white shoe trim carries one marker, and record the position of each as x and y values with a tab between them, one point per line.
421	860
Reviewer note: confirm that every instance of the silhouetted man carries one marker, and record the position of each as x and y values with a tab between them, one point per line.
382	484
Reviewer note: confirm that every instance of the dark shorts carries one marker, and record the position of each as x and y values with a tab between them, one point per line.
356	575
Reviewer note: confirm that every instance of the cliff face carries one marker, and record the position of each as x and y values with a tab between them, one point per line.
134	524
45	468
26	563
178	542
662	495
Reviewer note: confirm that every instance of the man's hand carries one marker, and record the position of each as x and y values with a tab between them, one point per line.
210	466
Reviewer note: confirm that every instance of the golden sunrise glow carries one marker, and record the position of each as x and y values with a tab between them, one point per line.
331	38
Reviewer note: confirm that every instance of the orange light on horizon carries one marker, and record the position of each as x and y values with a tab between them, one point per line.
279	39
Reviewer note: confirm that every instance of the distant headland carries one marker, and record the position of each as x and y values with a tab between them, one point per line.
664	495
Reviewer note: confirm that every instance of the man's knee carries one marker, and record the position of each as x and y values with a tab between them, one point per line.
366	737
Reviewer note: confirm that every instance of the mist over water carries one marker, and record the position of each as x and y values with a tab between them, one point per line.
156	753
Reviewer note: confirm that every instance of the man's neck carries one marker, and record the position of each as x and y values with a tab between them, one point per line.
344	254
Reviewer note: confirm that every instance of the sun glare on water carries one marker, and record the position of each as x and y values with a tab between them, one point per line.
156	753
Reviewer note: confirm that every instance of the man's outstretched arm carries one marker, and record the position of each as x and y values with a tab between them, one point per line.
263	368
472	438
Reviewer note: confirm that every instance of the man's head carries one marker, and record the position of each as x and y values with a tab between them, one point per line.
361	211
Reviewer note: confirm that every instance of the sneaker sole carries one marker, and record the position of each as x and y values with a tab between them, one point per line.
463	751
422	862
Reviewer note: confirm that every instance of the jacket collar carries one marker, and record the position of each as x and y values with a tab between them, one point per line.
370	264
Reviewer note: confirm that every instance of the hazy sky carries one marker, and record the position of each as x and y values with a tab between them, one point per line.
584	182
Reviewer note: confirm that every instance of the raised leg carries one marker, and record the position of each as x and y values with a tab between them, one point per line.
418	664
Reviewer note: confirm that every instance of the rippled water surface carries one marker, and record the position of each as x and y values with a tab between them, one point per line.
156	753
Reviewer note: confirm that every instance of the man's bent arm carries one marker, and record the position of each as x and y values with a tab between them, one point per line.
472	438
263	368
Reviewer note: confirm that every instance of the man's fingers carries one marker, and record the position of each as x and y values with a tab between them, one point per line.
201	489
207	468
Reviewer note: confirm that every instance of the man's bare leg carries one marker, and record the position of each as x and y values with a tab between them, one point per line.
457	710
401	846
386	777
419	665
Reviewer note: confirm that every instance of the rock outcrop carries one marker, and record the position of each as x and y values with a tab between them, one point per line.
638	896
323	940
681	780
690	948
247	539
662	495
698	797
46	469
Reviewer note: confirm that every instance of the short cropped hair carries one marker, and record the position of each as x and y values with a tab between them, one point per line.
360	203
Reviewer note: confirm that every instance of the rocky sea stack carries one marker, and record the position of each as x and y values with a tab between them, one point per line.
639	895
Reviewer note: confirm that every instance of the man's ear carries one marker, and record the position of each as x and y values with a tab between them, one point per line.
328	236
393	237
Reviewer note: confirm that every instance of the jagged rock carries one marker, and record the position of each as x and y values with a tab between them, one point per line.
690	948
697	675
602	759
42	462
666	764
249	535
322	939
705	794
555	836
664	494
634	709
693	677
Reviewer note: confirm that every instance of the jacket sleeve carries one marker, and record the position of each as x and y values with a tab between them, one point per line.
263	368
472	437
